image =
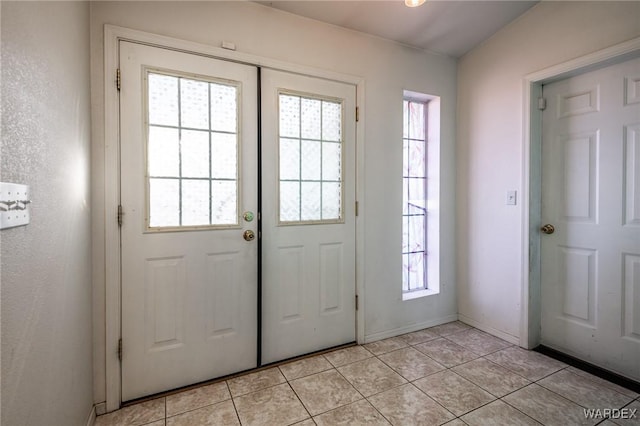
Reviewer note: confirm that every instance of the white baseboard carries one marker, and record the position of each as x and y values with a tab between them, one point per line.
101	408
408	329
91	419
501	334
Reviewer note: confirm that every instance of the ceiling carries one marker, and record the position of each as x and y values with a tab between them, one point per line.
450	27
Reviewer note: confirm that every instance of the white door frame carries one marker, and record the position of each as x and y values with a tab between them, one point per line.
112	36
530	320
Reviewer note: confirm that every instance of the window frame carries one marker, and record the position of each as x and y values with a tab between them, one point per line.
341	217
431	249
146	71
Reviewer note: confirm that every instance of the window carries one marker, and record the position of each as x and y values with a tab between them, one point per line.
310	159
192	152
420	194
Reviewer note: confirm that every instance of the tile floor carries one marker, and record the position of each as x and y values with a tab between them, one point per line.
450	374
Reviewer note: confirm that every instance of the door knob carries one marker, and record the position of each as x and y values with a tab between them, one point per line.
248	216
548	229
249	235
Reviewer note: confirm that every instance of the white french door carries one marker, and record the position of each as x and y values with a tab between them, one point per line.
190	231
590	241
308	214
188	172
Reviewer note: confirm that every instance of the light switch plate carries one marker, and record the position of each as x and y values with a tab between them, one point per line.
14	205
512	198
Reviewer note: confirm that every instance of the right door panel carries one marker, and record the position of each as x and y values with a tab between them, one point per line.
591	195
308	214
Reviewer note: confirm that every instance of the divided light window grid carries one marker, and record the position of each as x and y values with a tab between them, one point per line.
310	171
414	196
192	152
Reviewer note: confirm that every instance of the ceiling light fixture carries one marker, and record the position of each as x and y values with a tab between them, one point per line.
414	3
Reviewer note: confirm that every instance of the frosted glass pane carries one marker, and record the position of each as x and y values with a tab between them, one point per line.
224	155
331	200
289	159
194	104
416	159
195	153
331	121
164	200
289	201
405	158
163	152
224	210
405	196
416	120
310	201
331	161
416	271
289	116
224	108
163	100
311	160
416	191
405	234
416	207
416	233
195	202
405	119
310	118
405	272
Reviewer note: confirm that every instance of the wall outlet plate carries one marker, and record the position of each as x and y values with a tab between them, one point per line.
14	205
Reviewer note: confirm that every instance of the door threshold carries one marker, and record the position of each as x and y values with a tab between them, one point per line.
605	374
234	375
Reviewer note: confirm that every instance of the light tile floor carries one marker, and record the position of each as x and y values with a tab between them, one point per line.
450	374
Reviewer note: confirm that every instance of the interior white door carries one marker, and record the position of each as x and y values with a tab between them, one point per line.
308	214
188	172
591	195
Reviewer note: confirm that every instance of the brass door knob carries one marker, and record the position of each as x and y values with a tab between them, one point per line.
249	235
548	229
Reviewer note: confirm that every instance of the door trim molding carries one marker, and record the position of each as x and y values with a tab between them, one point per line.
530	317
112	36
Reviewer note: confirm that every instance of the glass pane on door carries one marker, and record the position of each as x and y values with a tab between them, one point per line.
192	152
310	172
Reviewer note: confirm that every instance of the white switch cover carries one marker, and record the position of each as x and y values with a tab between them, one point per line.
512	198
14	205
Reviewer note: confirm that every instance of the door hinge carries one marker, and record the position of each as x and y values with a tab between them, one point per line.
357	208
357	304
118	79
357	114
120	214
120	349
542	104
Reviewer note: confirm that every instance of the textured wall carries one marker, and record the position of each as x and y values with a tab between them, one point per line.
490	144
46	266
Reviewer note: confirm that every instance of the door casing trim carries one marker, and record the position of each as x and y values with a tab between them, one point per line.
530	317
112	36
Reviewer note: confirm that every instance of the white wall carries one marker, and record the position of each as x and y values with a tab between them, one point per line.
46	266
490	145
387	68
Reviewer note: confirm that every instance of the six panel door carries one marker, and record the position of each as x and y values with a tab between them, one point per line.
591	195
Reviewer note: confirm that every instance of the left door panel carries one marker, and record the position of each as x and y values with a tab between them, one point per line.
188	163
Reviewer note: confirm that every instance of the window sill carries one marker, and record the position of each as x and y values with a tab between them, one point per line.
418	294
